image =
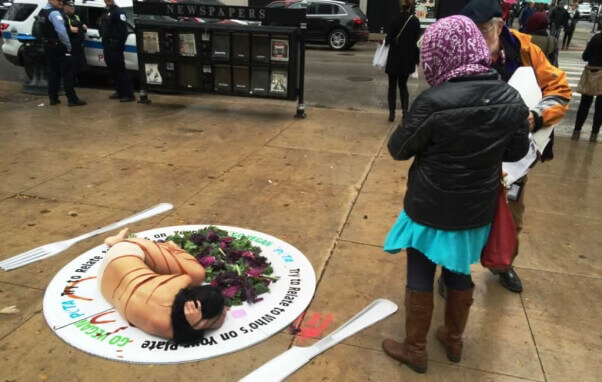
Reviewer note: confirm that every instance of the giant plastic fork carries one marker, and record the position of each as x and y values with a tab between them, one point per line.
52	249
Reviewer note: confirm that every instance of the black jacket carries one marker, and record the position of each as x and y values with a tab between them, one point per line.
559	16
77	39
593	51
403	52
113	28
459	133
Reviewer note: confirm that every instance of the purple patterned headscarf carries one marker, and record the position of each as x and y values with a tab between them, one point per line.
453	47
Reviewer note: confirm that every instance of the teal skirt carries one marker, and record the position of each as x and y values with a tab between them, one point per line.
454	250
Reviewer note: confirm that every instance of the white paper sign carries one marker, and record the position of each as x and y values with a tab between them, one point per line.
516	170
76	311
525	82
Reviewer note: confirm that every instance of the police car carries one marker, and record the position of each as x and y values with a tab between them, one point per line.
18	22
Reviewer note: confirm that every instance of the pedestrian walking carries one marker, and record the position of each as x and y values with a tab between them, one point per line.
459	131
527	12
537	27
77	37
506	10
509	51
114	33
571	24
558	20
590	87
57	52
403	32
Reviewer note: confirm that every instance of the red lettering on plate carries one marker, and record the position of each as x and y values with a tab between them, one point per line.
69	289
95	321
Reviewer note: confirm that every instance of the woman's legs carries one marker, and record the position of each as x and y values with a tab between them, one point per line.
392	95
419	311
457	281
570	33
420	271
457	306
597	116
584	105
112	240
403	91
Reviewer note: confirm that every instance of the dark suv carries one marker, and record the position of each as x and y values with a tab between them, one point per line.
336	23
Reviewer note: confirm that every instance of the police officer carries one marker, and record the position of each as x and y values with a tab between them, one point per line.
77	37
114	33
57	52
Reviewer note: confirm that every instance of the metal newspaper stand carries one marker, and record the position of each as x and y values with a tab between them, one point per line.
265	61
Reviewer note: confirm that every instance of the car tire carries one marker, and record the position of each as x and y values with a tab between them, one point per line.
338	39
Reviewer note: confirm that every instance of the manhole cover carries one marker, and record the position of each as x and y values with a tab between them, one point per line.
346	54
359	79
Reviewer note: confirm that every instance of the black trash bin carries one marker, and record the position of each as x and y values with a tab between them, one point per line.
33	55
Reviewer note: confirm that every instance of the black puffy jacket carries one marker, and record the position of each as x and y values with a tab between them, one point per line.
459	133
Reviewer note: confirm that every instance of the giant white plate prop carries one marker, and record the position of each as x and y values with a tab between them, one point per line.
77	313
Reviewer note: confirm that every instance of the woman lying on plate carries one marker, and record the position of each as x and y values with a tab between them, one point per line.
156	287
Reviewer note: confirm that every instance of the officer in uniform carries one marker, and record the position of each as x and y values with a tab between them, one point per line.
114	33
77	37
57	52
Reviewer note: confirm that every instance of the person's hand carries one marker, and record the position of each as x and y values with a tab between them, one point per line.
192	312
85	27
74	29
531	121
195	317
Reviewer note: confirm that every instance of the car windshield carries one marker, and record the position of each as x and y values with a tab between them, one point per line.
275	4
19	12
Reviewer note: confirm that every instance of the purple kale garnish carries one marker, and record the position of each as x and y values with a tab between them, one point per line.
232	264
230	291
207	261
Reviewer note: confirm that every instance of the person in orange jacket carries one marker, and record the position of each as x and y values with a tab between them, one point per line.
510	50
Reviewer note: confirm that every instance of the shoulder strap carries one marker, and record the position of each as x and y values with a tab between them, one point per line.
402	28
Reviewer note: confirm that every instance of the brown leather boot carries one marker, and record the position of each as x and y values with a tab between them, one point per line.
412	352
457	307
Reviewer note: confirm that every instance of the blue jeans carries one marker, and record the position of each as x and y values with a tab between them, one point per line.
555	30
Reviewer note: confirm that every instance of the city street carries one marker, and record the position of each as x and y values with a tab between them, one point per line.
347	80
326	185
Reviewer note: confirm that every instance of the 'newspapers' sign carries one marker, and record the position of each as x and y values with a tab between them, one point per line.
270	16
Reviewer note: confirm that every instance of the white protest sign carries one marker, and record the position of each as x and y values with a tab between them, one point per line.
76	311
525	82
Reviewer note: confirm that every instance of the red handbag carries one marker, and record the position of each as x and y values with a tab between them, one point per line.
500	250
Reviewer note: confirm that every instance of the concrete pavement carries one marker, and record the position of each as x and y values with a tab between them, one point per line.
325	184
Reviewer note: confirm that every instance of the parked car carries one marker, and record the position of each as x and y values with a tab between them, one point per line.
18	22
281	3
585	10
4	5
336	23
594	14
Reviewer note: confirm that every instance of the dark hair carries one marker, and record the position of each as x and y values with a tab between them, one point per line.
212	305
406	4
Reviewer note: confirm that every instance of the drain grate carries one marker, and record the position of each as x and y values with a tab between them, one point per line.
346	54
359	79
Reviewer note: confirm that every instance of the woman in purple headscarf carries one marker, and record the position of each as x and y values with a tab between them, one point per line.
458	133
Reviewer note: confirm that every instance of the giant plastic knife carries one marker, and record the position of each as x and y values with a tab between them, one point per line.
288	362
